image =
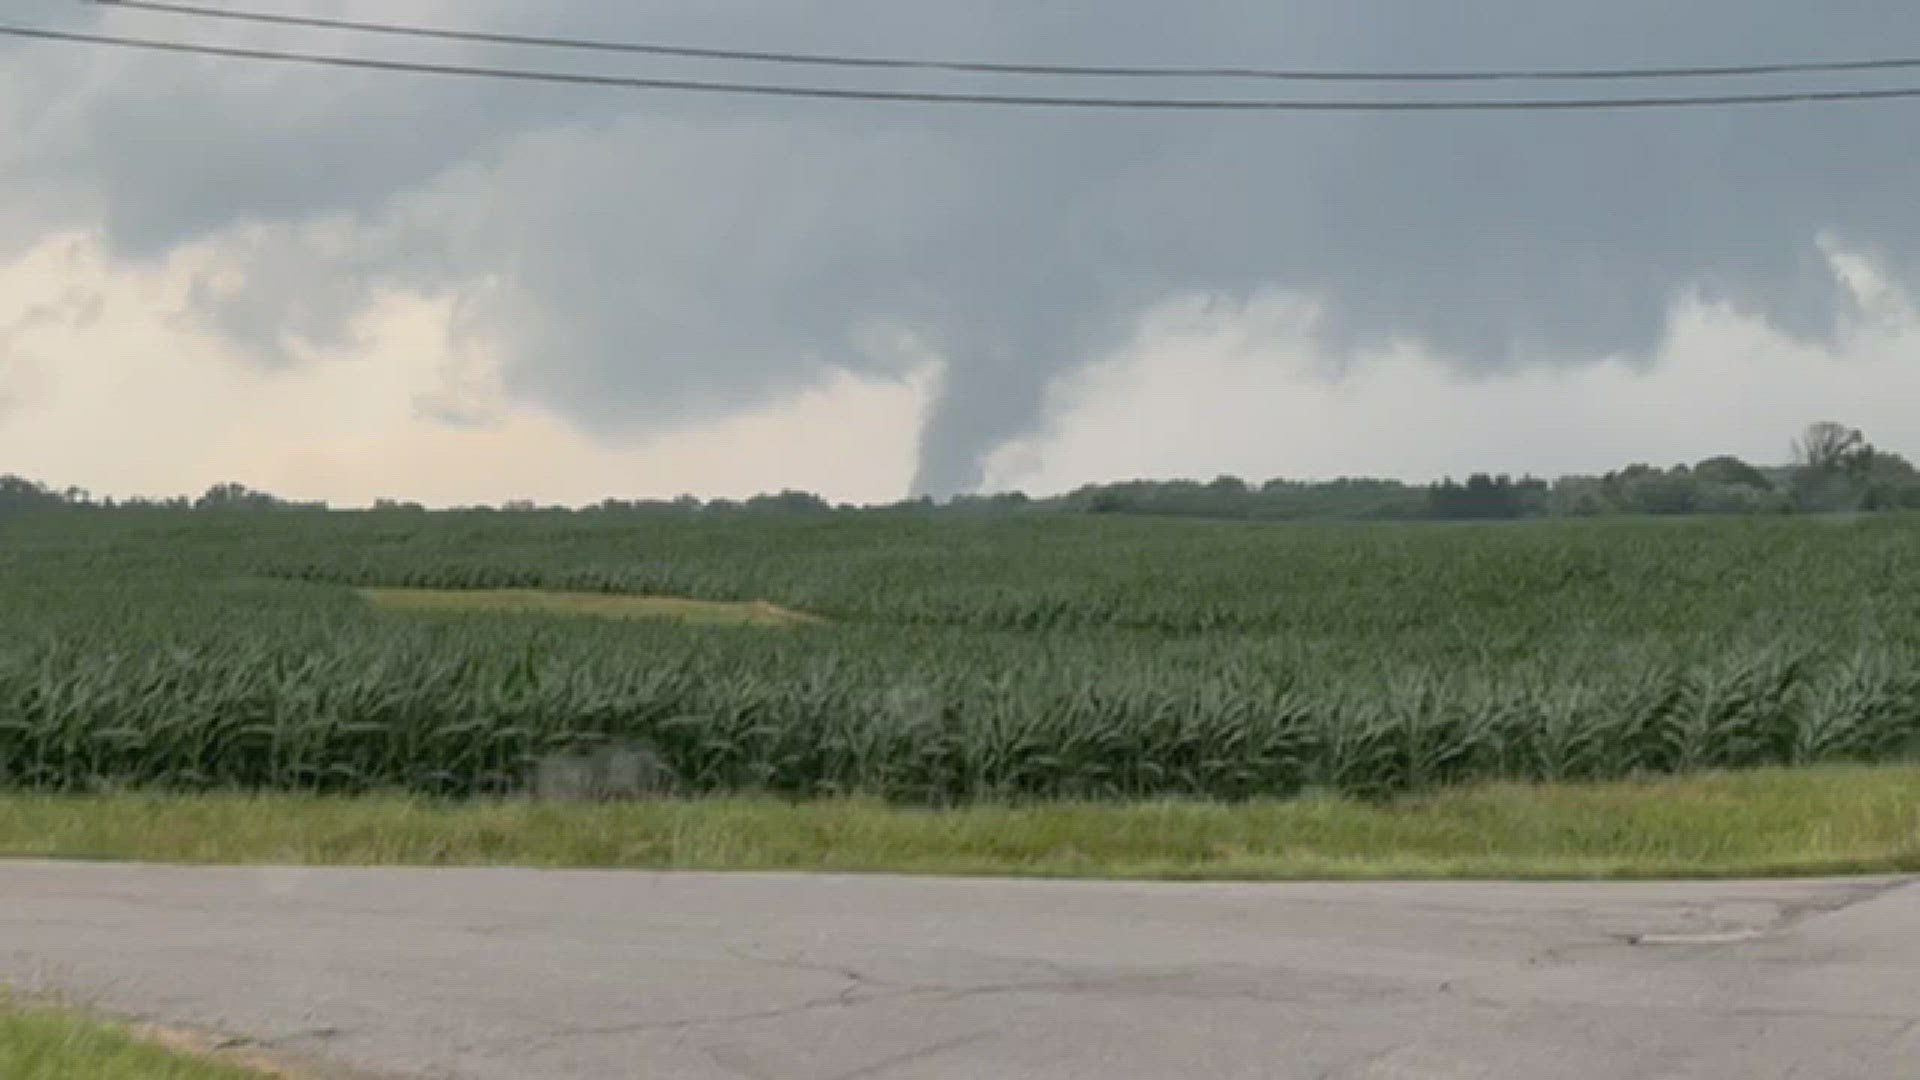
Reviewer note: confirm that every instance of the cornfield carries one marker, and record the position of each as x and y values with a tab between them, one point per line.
992	659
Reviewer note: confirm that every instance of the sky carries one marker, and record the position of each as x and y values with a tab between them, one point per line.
354	285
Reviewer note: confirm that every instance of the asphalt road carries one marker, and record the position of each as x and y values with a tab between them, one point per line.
517	975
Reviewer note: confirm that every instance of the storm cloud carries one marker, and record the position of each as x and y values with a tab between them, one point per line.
647	260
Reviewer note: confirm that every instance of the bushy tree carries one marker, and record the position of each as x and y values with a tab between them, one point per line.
1486	498
1732	472
790	501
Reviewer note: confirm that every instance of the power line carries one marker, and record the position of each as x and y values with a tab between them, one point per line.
985	67
1242	105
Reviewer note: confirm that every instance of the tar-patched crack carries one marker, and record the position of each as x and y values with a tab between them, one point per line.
318	1034
1787	915
1792	915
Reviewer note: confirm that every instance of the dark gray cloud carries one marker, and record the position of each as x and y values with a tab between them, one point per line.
653	259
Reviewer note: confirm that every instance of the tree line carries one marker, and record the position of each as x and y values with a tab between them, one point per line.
1833	469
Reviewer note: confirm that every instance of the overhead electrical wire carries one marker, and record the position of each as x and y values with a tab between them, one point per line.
1239	105
996	68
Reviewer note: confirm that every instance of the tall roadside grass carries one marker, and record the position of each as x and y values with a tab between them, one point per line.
1814	820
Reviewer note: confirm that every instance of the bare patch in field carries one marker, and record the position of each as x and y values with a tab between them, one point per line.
591	605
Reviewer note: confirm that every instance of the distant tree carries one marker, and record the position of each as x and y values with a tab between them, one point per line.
1581	496
1717	498
1730	470
232	496
142	502
789	501
1829	447
1656	492
1835	468
997	502
1485	498
1890	482
19	493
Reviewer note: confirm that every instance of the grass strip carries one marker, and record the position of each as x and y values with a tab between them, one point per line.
1814	821
56	1044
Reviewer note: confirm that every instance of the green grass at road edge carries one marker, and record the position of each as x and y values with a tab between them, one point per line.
53	1044
1827	820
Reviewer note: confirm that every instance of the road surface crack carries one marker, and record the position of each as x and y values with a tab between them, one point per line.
887	1065
1794	915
